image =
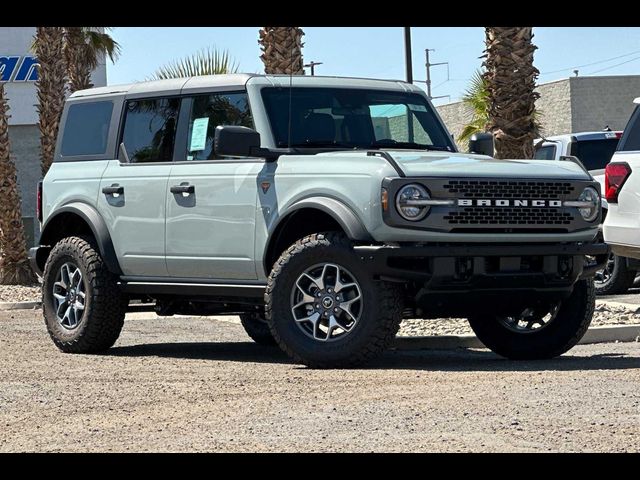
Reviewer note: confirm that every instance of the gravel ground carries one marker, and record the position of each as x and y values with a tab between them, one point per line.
603	315
19	293
200	385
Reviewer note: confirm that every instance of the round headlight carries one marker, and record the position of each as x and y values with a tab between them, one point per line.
590	195
408	202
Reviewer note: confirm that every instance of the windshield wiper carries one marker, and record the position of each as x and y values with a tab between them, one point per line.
414	145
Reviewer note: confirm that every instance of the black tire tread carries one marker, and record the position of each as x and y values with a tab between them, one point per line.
108	305
390	298
258	332
623	281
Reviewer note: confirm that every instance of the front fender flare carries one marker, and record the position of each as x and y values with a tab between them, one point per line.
98	227
337	210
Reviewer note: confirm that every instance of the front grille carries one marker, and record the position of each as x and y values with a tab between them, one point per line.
508	189
508	216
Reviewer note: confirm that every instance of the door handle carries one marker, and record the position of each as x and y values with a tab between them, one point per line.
188	189
114	189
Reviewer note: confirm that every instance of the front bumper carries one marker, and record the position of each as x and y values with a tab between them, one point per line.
486	267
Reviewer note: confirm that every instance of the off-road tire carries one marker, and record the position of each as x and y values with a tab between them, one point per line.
621	279
559	336
256	327
379	320
105	304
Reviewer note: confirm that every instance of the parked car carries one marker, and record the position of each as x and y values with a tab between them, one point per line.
594	150
322	210
622	187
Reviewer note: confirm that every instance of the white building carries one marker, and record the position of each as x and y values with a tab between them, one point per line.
18	72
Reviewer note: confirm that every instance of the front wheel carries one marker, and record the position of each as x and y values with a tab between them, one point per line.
325	309
538	334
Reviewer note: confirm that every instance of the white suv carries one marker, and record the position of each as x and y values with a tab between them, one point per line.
622	188
594	150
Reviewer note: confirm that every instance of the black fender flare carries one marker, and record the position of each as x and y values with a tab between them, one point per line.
337	210
98	227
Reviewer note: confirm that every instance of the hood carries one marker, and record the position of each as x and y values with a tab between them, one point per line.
444	164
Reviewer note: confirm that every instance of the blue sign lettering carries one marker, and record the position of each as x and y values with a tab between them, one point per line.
24	68
27	71
7	66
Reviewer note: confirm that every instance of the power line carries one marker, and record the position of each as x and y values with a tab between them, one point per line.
614	66
590	64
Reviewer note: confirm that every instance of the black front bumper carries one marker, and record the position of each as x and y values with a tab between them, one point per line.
500	267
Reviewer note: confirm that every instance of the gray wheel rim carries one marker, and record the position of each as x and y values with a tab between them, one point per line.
530	321
604	276
326	302
69	294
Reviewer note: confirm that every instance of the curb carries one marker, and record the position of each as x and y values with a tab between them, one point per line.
629	306
19	305
618	333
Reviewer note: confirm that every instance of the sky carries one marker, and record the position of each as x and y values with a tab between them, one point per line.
378	52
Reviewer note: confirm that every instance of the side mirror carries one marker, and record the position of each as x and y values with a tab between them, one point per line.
235	141
481	143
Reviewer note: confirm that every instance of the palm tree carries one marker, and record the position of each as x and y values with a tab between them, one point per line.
282	50
14	264
209	61
511	80
476	99
83	49
51	85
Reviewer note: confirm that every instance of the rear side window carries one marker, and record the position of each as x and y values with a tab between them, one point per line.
630	141
86	131
595	154
548	152
149	132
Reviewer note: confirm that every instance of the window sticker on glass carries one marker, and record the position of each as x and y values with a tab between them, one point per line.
417	108
199	134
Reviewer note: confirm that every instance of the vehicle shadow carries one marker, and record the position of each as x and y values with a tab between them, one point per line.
462	360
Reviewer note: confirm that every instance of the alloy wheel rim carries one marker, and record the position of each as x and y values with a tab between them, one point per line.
69	294
604	276
326	302
529	320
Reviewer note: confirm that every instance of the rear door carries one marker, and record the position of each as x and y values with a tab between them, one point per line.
211	202
132	195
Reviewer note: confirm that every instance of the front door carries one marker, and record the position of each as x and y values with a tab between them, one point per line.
132	195
211	202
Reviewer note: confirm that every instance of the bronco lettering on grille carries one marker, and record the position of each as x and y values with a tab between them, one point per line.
486	202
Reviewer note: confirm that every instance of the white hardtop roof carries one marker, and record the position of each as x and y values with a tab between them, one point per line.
239	80
580	135
636	100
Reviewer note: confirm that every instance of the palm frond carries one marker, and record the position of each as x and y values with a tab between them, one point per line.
208	61
99	42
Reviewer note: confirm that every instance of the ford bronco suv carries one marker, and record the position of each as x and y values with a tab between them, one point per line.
323	211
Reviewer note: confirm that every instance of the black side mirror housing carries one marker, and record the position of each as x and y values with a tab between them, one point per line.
236	141
481	143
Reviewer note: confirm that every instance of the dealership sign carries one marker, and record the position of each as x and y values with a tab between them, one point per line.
17	68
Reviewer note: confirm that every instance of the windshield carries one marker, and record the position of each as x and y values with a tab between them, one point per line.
353	118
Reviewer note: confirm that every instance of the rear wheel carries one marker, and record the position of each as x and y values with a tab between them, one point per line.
615	277
536	333
83	307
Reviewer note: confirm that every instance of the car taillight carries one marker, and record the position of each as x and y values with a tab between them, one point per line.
39	202
615	175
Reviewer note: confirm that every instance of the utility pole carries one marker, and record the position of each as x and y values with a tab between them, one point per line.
407	54
312	64
428	64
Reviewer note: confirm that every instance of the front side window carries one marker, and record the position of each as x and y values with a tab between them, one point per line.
209	111
150	129
353	118
630	141
86	130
